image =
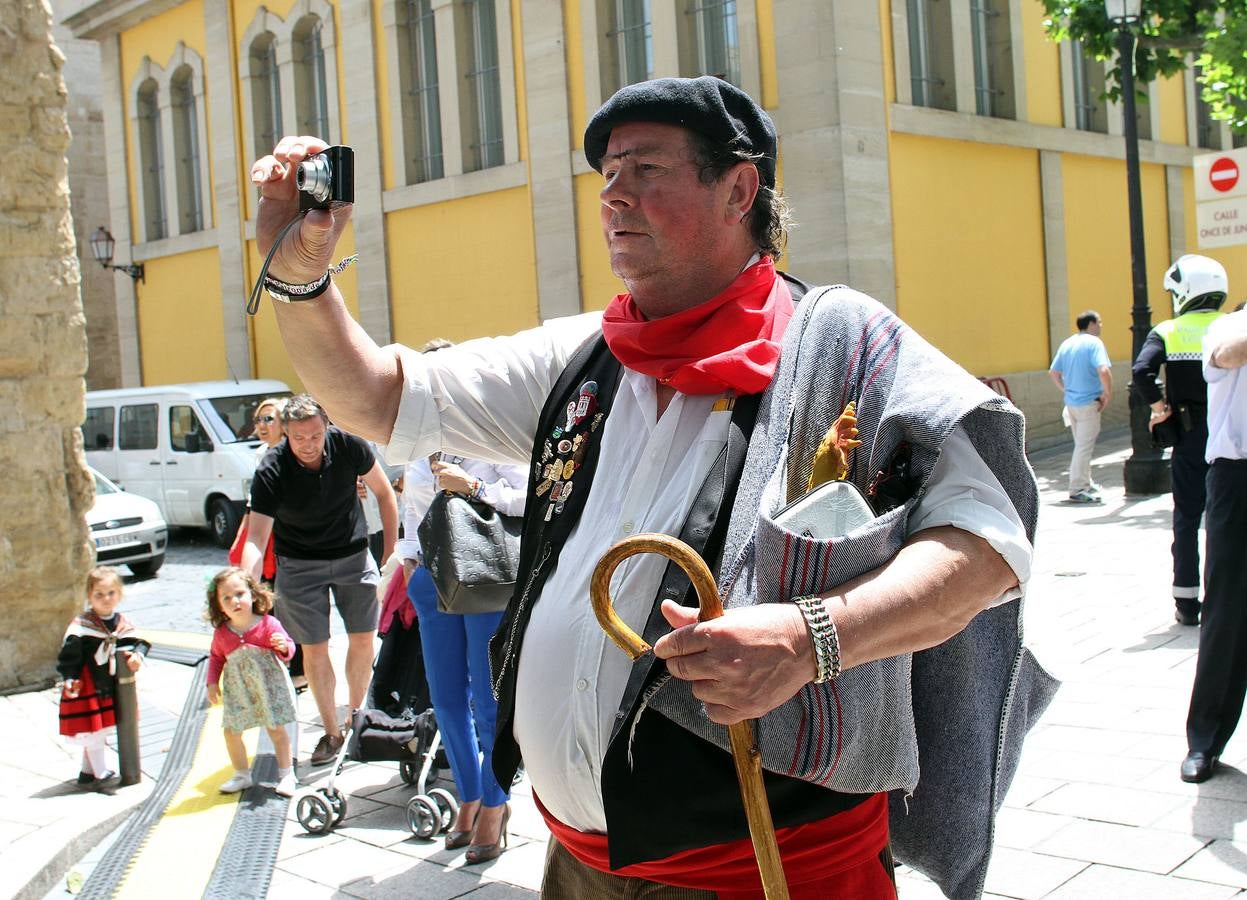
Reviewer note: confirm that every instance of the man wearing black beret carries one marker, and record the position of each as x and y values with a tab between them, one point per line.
702	404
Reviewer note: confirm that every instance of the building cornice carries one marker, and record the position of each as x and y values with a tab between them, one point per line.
106	18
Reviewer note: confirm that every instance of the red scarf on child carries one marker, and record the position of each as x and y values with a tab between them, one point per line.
728	343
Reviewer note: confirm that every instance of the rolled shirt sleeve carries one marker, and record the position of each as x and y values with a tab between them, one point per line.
964	492
482	399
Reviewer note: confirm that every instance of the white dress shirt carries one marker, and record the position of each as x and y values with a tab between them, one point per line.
1227	395
571	678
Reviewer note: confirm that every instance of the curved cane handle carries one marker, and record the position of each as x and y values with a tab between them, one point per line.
675	550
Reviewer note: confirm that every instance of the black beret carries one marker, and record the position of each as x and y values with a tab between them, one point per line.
707	105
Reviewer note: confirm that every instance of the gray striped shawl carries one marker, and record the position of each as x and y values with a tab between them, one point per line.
960	709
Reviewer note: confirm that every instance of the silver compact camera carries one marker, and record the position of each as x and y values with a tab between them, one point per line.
326	180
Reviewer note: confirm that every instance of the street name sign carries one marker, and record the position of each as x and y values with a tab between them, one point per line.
1221	198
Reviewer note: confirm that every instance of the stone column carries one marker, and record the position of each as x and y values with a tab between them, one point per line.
43	355
1055	255
549	161
221	167
834	145
363	125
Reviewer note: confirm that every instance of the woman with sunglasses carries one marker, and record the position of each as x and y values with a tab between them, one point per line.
267	422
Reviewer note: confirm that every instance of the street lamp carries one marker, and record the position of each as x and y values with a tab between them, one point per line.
1145	470
102	244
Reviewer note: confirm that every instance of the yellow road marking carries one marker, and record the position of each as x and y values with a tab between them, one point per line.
180	852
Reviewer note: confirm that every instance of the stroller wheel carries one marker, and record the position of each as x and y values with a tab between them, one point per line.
447	806
409	771
423	817
315	814
337	803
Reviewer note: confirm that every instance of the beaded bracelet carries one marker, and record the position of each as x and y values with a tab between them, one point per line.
290	293
823	636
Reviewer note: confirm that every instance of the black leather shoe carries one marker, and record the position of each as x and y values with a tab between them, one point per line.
1198	766
1186	613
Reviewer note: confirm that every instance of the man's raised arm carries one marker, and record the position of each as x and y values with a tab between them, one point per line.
358	383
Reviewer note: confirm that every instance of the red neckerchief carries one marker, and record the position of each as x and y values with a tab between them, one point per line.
728	343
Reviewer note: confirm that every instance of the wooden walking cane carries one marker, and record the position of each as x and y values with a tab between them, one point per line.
745	752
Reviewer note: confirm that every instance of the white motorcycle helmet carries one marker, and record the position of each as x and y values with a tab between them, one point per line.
1196	282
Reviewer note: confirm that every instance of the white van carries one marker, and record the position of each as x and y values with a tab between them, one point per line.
188	447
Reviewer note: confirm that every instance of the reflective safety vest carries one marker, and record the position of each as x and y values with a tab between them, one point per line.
1184	336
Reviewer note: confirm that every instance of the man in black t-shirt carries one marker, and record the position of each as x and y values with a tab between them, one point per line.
304	493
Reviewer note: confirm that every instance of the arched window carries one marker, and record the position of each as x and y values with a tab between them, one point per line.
709	41
310	89
265	93
151	161
628	49
422	115
189	167
482	121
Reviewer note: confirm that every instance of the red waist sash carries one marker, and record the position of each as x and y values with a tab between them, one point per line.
846	846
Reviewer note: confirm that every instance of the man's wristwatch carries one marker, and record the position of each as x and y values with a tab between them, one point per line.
293	293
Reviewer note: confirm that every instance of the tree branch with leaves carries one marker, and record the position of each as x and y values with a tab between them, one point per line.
1212	33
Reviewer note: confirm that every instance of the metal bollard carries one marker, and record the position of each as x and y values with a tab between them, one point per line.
126	708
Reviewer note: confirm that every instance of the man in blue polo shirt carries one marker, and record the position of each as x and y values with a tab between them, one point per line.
304	492
1082	371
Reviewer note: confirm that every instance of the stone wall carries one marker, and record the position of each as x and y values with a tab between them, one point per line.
88	198
46	488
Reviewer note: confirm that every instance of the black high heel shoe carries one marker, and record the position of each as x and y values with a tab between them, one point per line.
457	839
479	853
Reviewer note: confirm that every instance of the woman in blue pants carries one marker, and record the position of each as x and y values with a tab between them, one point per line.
456	651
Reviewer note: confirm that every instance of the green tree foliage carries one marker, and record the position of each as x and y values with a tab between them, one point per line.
1213	32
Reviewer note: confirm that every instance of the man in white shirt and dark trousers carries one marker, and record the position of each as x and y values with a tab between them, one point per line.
1221	668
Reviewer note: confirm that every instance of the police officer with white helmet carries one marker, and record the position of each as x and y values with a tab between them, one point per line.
1179	416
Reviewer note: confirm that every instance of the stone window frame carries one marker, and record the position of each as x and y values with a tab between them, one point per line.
411	128
614	60
965	89
264	23
693	49
669	59
149	173
183	57
1224	139
312	83
903	53
1070	52
283	29
452	30
188	149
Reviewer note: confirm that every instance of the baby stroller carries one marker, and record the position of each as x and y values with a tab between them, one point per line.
398	726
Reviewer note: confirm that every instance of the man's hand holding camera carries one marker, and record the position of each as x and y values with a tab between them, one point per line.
307	251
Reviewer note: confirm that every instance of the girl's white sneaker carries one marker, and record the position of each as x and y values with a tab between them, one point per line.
240	782
287	785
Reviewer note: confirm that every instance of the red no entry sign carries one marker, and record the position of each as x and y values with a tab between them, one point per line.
1223	174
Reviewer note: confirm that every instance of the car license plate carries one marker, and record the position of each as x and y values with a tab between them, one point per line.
113	540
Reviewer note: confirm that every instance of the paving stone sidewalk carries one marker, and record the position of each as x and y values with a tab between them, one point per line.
1097	809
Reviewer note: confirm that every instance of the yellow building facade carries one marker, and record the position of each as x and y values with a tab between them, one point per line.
946	158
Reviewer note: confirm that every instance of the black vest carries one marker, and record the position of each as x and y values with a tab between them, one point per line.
680	792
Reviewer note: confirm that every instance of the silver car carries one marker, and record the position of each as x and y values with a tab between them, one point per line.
127	529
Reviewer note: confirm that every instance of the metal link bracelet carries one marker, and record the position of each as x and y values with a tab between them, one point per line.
823	636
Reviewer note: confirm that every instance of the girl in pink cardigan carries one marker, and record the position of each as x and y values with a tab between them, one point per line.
247	667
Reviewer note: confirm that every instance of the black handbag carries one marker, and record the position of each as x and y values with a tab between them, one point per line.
472	552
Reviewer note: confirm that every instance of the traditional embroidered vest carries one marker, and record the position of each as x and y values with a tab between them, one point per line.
965	704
